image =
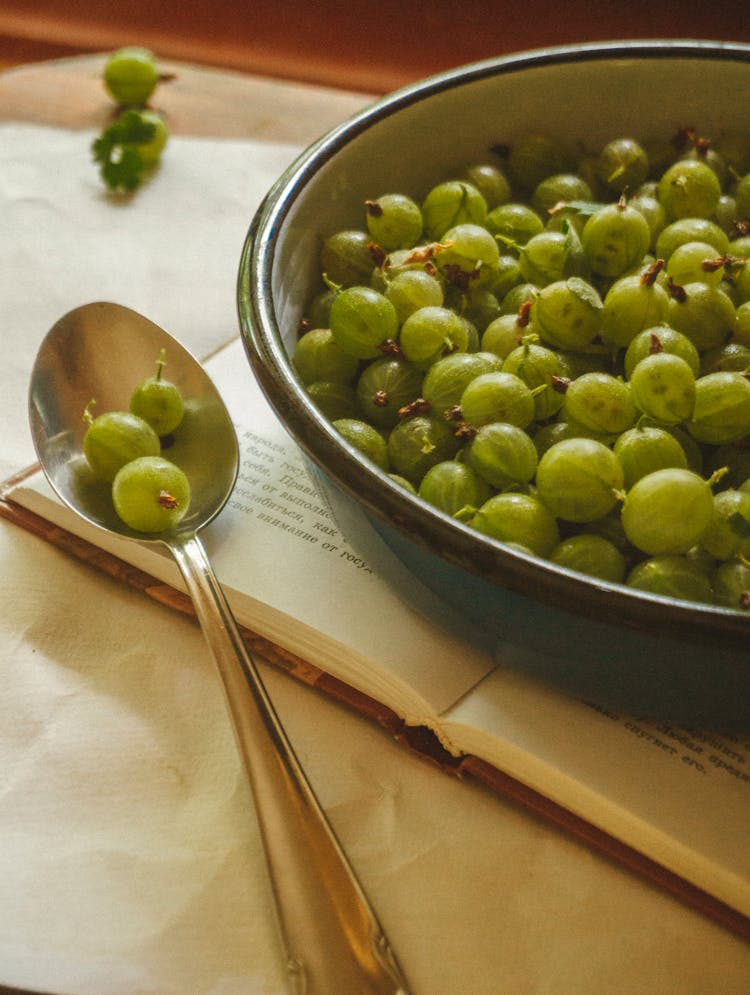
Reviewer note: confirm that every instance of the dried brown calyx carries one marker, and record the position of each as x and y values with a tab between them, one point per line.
390	347
676	291
378	254
459	277
465	431
655	344
167	500
419	406
649	275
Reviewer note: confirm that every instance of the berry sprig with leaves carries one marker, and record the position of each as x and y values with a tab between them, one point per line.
131	146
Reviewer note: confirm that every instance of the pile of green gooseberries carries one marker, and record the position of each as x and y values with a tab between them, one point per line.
554	349
133	143
124	449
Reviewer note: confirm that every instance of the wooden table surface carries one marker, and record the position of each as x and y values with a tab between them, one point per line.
202	102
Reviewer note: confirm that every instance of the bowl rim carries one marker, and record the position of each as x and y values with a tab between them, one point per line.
527	575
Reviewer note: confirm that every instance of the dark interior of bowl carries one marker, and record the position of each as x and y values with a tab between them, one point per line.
650	656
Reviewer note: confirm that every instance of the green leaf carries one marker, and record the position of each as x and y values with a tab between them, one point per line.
121	165
584	208
125	172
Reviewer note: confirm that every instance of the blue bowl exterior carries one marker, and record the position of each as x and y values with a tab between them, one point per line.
616	647
625	669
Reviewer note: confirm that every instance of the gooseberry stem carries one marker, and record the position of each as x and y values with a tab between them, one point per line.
161	362
87	416
717	475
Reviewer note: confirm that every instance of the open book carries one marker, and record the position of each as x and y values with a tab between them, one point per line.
320	598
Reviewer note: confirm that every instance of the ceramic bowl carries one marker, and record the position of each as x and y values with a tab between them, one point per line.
609	644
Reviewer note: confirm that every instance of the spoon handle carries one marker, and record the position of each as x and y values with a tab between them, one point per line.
332	938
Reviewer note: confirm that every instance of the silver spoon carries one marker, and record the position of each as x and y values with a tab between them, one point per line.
333	942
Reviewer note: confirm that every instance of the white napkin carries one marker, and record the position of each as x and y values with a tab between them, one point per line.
119	769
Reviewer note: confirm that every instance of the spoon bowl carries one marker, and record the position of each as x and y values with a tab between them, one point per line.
101	352
331	937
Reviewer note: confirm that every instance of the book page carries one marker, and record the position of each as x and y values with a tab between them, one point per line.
291	575
680	795
344	585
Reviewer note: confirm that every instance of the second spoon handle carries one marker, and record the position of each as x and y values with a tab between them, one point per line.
332	938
